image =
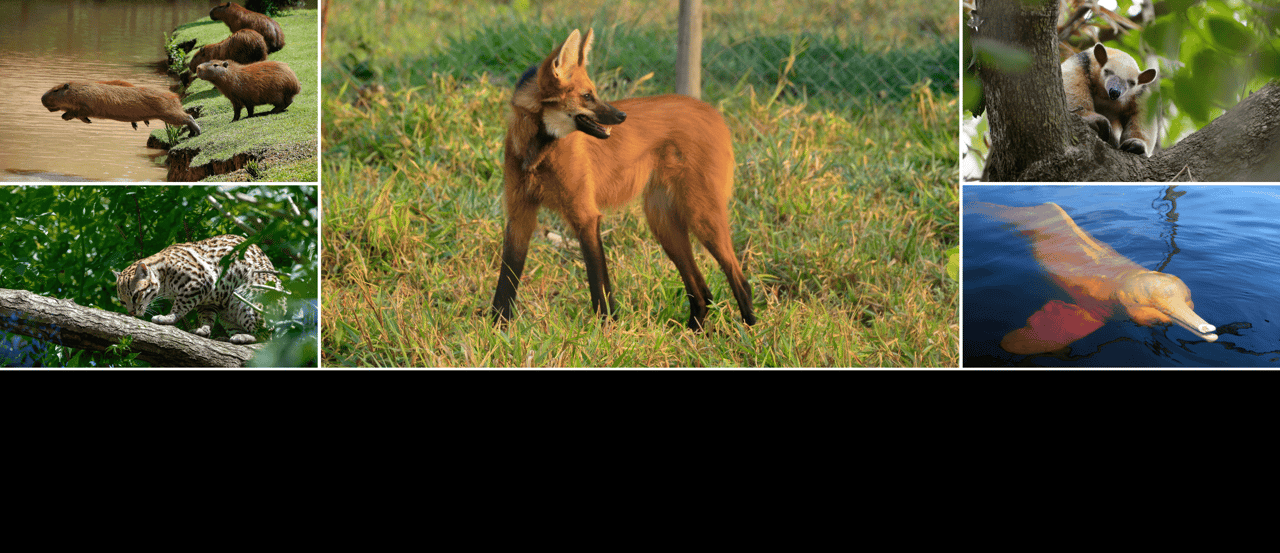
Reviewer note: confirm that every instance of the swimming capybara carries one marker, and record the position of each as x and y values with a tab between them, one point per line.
236	18
119	101
244	46
253	84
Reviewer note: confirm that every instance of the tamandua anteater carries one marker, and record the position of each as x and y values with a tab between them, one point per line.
1104	87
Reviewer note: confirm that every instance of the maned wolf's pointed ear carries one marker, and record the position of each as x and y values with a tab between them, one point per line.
568	56
586	47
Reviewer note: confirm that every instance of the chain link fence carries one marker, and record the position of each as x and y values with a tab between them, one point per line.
831	54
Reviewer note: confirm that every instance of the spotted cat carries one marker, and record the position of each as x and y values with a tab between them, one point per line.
189	275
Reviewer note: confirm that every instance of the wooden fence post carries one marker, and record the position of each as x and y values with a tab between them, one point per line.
689	49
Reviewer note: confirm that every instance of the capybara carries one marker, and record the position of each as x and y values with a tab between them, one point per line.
236	18
68	116
253	84
119	101
244	46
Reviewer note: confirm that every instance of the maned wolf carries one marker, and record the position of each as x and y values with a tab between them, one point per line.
674	148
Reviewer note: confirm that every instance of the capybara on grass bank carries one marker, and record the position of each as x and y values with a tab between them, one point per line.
244	46
254	84
119	101
236	18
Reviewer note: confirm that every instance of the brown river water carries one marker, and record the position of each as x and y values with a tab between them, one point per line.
47	43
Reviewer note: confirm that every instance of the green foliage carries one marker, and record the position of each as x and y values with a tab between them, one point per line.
65	241
120	351
829	57
1220	52
172	133
273	9
823	67
175	55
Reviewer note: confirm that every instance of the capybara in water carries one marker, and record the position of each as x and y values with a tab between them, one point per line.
244	46
236	18
119	101
253	84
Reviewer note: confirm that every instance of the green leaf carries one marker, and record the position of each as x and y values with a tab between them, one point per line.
1268	60
972	93
1216	78
1230	35
1001	56
1165	36
1179	6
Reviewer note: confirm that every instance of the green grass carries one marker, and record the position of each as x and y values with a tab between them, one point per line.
284	141
843	211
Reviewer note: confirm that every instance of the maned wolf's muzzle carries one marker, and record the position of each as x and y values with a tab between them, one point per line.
603	113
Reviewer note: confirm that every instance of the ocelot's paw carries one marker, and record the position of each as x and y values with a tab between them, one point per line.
202	331
163	319
243	339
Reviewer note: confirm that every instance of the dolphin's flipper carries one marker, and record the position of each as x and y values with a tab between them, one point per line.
1053	327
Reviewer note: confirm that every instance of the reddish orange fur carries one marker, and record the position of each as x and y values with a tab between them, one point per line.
674	149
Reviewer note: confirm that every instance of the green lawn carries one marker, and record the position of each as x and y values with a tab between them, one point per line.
844	205
283	144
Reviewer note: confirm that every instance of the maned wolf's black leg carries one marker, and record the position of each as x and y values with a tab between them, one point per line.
712	229
722	250
680	250
521	219
597	272
673	233
715	236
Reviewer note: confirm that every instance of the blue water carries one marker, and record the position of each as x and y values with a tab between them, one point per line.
1223	241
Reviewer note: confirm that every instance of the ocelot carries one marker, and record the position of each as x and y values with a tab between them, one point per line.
189	275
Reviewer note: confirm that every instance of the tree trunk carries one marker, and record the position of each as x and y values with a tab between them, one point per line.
1021	101
62	322
1034	138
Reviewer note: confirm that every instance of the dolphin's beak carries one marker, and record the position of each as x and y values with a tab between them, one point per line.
1162	296
1186	318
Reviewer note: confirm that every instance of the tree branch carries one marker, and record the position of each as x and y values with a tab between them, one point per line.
62	322
1241	145
1034	138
